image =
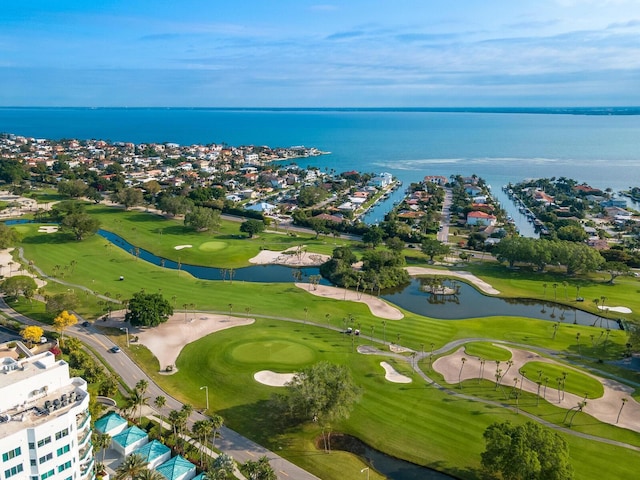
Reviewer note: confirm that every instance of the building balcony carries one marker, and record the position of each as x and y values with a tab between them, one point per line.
84	439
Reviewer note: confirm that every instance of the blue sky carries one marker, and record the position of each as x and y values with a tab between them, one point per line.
297	53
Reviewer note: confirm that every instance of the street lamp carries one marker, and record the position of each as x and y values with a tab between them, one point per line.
206	391
126	331
365	469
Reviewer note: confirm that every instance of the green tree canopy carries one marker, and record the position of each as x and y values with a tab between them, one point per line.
616	269
251	227
203	219
72	188
80	224
432	247
323	392
174	205
129	197
8	236
148	309
526	452
19	284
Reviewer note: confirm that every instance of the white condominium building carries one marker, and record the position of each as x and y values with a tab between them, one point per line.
45	426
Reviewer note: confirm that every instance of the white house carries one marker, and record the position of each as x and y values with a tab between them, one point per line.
481	218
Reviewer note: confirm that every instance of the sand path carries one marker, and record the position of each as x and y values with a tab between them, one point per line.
469	277
167	340
377	306
605	408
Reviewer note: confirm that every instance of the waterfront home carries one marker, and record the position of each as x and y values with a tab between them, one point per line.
480	218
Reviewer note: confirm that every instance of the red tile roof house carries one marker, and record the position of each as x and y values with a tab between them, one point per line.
480	218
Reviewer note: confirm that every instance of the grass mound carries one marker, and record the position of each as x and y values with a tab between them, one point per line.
282	352
212	246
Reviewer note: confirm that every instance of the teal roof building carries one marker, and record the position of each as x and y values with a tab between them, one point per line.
154	453
128	440
111	424
178	468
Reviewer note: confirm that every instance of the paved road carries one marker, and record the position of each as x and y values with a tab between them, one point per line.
443	233
231	442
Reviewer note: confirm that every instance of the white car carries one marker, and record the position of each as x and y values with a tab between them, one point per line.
43	340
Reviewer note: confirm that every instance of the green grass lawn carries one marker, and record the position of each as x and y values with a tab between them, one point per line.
575	382
487	351
412	421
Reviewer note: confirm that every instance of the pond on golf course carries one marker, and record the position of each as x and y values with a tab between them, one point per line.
466	303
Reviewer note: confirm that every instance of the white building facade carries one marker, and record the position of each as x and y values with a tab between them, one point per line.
45	425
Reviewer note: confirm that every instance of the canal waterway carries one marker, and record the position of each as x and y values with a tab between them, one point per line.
468	303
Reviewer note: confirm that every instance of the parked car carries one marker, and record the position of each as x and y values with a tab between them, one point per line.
43	340
85	324
115	349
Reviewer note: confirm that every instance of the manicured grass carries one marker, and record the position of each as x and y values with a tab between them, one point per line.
487	351
575	382
412	421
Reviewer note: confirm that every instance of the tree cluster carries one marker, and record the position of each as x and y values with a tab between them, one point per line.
526	452
148	309
540	253
19	285
380	269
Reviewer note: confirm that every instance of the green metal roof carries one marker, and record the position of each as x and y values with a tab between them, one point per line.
129	436
175	468
152	450
108	422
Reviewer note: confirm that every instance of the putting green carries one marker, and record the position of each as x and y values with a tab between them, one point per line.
279	351
212	246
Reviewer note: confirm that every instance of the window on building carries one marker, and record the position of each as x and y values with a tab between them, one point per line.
13	471
45	458
44	441
62	450
64	466
11	454
62	433
33	462
32	446
34	477
48	474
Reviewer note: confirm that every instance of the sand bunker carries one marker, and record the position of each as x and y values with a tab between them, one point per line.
393	376
378	307
615	309
48	229
180	247
273	379
469	277
167	340
293	257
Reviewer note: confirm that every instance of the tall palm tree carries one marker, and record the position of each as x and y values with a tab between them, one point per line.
141	387
159	402
216	422
132	466
100	442
201	429
463	360
175	419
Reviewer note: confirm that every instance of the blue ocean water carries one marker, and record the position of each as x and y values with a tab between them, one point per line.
602	150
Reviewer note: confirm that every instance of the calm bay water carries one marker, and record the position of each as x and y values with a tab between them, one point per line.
602	150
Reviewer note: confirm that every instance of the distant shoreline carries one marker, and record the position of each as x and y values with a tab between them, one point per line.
603	110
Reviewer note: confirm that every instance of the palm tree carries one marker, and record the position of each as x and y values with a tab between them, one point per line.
624	400
509	365
159	402
132	466
544	290
201	429
216	422
222	466
578	340
384	331
463	360
176	420
481	377
101	442
141	387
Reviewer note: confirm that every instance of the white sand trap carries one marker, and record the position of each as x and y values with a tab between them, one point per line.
167	340
393	376
48	229
378	307
180	247
289	257
614	309
273	379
